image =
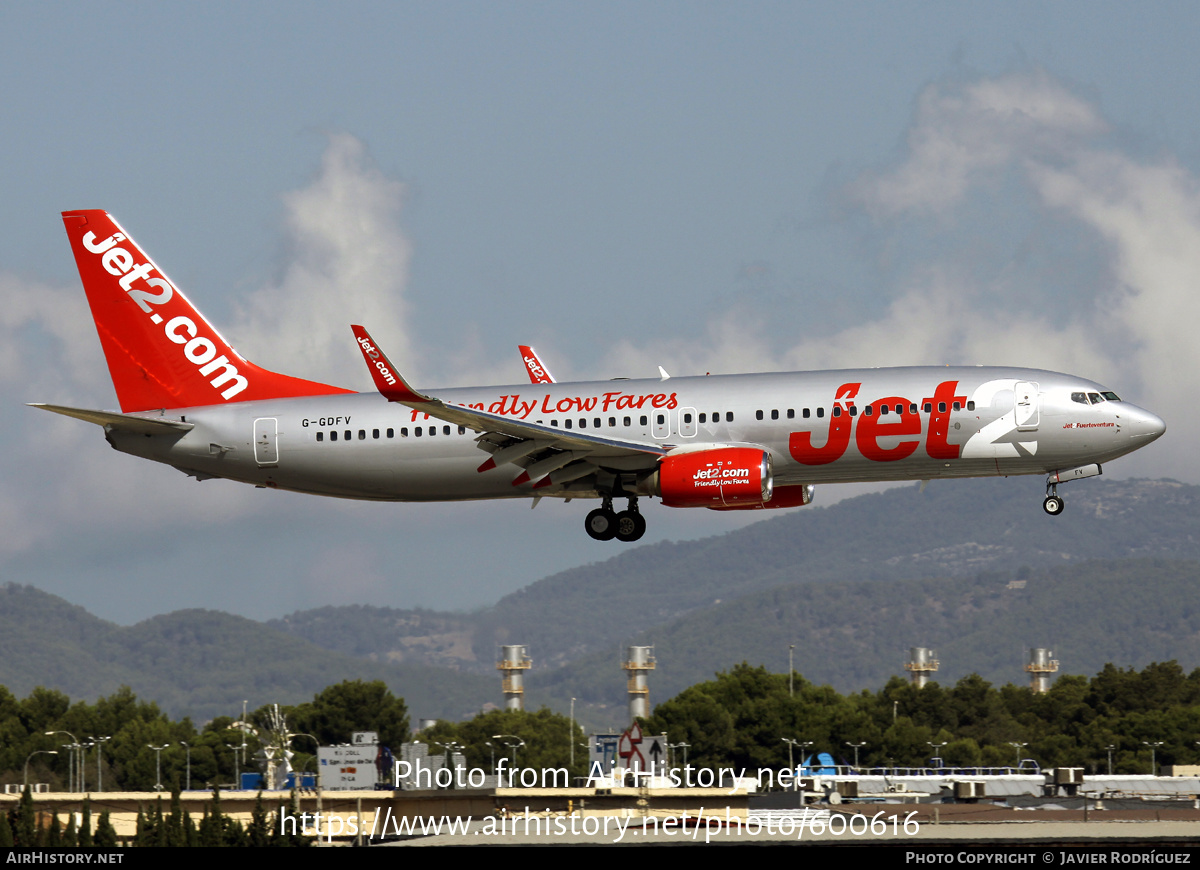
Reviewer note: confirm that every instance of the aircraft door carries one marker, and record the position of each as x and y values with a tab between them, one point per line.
662	424
687	422
1028	406
266	441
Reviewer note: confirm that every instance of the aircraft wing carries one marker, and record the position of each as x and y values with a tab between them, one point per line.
114	420
542	450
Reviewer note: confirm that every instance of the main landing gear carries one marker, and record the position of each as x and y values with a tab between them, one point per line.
604	524
1053	504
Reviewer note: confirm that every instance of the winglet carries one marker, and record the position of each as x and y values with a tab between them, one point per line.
388	381
538	373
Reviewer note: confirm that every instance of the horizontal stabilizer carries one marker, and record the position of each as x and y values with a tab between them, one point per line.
124	422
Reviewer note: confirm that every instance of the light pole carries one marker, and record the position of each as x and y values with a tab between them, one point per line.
1110	747
158	786
70	757
317	745
571	735
513	747
1018	747
791	670
937	754
99	742
1153	746
36	752
856	746
188	748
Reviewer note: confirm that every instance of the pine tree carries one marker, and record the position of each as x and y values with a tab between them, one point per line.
6	831
85	826
176	835
55	836
70	835
259	833
24	830
160	825
106	834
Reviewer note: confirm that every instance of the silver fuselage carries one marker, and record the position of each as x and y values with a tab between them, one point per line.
815	425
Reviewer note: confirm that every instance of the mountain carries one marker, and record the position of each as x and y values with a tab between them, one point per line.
971	568
199	663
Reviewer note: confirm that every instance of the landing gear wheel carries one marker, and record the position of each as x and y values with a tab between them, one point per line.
631	525
601	524
1053	505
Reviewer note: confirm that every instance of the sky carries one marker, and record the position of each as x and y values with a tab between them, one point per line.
710	187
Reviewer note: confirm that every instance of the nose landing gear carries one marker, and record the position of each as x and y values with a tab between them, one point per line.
603	524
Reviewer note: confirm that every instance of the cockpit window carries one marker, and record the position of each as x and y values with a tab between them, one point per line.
1081	398
1111	396
1096	398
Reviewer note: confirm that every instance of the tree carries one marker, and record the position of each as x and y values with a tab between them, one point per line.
354	705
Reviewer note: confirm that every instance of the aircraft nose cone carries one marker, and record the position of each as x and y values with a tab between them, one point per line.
1144	426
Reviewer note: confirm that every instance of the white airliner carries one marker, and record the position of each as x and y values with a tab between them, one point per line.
725	442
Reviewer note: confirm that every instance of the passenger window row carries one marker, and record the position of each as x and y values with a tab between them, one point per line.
418	431
868	410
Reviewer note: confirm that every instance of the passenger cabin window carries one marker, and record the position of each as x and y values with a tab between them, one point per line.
391	433
320	436
883	409
375	433
349	434
643	420
928	406
774	414
791	413
628	422
567	423
837	410
971	405
445	430
596	423
820	412
853	411
362	434
912	409
867	411
758	415
333	435
957	406
704	418
804	414
941	407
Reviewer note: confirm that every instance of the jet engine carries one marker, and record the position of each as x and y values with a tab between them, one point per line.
720	478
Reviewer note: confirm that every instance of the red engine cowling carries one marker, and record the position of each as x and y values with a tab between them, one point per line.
722	477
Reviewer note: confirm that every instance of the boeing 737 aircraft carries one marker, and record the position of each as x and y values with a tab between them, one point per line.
725	442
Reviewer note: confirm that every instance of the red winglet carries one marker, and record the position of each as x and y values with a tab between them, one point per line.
538	373
388	381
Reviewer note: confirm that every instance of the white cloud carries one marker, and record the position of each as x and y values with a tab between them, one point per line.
347	262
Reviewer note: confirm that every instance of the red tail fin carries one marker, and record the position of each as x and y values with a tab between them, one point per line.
161	352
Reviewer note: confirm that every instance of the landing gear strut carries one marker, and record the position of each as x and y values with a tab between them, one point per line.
1053	504
603	524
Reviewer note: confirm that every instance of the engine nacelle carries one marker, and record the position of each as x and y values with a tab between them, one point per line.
723	477
788	496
